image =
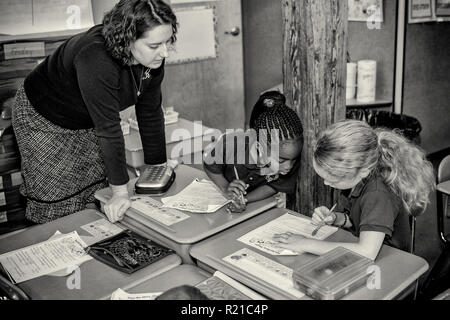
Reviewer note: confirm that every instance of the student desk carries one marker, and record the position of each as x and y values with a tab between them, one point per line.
97	279
399	269
182	275
181	236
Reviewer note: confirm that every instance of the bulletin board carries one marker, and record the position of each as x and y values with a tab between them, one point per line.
18	17
196	37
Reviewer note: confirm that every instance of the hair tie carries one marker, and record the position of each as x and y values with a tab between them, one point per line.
269	103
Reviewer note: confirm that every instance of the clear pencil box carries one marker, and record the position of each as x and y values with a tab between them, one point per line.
333	275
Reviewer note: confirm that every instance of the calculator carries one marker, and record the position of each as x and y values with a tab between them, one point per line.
155	179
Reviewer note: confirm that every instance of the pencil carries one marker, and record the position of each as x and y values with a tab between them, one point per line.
323	222
237	178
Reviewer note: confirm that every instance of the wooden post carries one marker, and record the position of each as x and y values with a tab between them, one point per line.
314	66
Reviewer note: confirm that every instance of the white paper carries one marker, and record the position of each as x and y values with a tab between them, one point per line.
100	230
196	38
119	294
262	237
268	270
200	196
153	209
45	257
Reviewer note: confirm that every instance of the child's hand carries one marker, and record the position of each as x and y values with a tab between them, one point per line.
290	241
323	215
237	206
236	189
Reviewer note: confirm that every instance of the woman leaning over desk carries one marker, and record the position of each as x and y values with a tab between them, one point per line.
66	116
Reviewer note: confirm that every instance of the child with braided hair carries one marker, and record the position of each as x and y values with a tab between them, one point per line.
261	162
384	178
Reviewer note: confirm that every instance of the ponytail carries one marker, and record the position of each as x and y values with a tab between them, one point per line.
404	168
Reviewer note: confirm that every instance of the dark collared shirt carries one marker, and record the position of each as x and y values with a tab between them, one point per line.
248	171
372	206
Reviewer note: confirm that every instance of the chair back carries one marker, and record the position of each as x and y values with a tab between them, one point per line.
444	170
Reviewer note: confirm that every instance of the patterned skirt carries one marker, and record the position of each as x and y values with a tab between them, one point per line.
61	168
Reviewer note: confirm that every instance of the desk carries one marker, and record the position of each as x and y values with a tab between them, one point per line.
181	236
185	142
399	269
97	279
182	275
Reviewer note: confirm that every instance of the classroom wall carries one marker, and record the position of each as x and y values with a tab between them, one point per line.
426	93
263	48
379	45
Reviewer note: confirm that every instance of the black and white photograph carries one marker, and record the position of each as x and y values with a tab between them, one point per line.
249	155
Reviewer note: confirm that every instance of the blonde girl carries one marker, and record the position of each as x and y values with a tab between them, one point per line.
384	178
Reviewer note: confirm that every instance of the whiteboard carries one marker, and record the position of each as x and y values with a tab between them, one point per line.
196	37
37	16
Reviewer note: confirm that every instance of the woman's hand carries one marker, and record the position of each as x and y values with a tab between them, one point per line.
289	241
116	207
323	215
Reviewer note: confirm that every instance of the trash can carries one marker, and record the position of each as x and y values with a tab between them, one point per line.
406	125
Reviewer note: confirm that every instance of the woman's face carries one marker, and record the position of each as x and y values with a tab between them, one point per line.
153	47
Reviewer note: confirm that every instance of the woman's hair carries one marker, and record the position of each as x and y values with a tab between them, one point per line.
270	112
129	20
346	147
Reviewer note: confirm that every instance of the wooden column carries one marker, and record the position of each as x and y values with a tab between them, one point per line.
314	66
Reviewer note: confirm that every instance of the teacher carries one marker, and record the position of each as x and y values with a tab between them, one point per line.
66	116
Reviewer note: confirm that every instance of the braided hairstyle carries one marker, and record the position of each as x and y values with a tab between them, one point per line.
129	20
271	113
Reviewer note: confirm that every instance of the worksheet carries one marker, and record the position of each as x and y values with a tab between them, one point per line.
154	209
262	237
119	294
270	271
222	287
100	230
201	196
55	254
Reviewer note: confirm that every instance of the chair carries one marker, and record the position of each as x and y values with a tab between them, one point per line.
443	296
9	291
442	195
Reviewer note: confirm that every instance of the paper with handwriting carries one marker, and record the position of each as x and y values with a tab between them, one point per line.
201	196
262	238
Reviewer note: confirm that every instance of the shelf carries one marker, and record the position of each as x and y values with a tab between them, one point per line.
353	103
42	35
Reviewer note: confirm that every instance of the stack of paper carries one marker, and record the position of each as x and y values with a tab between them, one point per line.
201	196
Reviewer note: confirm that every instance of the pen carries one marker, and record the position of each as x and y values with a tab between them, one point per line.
322	223
237	178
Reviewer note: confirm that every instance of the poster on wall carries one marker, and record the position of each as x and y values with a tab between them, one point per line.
421	11
196	38
443	10
37	16
365	10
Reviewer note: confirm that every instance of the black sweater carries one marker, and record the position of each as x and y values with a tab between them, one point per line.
82	86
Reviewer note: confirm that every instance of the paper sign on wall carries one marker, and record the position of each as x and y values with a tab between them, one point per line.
37	16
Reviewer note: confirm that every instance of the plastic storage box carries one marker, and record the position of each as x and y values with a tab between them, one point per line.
333	275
